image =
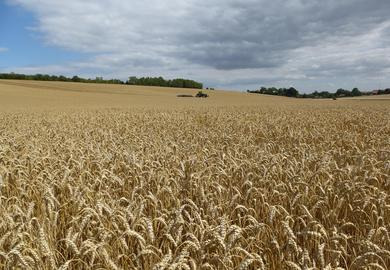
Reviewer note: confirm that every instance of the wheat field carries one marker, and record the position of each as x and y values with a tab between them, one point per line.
119	177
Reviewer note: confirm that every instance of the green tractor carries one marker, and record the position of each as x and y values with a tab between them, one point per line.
201	95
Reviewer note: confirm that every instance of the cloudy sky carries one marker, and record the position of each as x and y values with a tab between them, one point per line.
229	44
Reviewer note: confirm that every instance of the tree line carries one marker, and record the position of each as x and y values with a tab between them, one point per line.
61	78
288	92
146	81
382	91
292	92
160	81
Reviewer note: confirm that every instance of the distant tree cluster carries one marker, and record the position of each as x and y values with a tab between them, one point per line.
160	81
316	94
292	92
147	81
288	92
381	91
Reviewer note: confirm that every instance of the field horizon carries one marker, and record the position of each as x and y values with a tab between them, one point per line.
70	94
17	94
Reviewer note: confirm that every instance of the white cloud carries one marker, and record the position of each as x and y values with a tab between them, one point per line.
3	49
225	43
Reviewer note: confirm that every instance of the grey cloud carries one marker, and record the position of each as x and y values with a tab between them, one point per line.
274	29
294	40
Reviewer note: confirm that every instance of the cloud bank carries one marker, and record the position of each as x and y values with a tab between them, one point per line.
226	43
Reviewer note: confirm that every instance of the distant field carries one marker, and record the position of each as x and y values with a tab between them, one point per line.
36	94
374	97
97	176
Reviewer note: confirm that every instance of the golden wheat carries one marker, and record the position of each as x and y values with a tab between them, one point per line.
278	186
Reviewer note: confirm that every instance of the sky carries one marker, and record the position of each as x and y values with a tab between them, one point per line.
227	44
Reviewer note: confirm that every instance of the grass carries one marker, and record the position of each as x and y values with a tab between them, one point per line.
118	177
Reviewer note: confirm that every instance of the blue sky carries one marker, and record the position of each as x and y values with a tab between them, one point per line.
311	45
24	47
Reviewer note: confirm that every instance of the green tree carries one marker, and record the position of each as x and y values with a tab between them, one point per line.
132	80
76	79
356	92
292	92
